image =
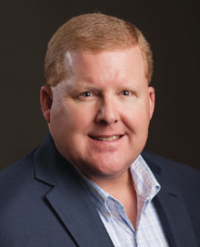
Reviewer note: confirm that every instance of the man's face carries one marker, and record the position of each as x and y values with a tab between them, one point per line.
99	116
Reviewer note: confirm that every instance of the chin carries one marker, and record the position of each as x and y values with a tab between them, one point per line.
105	169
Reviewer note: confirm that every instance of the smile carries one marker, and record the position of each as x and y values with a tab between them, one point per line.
111	138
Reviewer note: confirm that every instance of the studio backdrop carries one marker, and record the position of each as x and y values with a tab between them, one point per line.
171	27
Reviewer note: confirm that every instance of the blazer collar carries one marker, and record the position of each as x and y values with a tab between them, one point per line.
171	208
68	198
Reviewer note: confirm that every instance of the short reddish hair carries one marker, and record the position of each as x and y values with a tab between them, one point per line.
92	32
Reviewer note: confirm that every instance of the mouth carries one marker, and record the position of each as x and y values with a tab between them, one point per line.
106	138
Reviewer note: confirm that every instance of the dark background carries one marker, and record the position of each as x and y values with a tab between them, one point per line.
172	28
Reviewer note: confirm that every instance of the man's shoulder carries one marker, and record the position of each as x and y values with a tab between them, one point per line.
21	166
17	177
168	164
173	172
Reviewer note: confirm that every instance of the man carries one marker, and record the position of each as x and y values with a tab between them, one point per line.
88	183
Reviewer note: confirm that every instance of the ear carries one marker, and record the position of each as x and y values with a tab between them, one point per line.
151	100
46	99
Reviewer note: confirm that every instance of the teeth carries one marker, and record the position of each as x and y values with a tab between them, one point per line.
112	138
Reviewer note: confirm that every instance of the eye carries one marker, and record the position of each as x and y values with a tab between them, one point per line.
126	93
86	94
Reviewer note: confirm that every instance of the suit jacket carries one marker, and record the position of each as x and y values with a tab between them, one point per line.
42	203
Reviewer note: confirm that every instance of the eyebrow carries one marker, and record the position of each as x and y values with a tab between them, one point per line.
83	87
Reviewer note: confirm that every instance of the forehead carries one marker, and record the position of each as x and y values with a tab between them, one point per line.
117	62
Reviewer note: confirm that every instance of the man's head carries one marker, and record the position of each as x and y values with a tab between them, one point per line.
97	101
92	33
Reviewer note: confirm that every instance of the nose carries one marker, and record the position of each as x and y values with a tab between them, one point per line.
107	113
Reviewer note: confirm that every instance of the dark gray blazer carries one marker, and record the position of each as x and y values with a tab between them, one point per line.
43	204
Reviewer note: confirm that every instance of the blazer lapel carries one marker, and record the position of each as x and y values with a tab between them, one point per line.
172	211
69	199
77	212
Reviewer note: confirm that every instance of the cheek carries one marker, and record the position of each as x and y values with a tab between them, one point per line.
72	118
136	118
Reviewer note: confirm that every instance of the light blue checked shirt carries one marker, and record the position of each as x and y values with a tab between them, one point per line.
149	230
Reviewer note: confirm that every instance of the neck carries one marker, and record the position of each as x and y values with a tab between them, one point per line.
115	186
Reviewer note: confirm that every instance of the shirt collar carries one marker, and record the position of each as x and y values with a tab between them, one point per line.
145	182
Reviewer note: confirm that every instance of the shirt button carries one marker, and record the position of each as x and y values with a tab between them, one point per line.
107	215
112	203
